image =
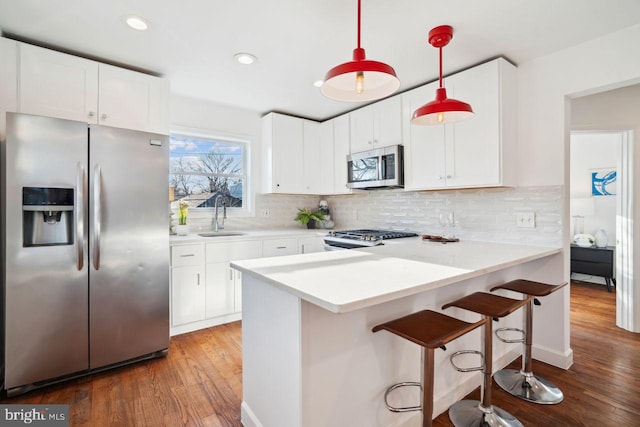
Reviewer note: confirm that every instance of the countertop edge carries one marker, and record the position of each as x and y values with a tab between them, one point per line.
356	305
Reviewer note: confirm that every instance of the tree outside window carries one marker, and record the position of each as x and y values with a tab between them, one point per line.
201	169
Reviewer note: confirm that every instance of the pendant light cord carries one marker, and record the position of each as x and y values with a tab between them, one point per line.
440	50
358	24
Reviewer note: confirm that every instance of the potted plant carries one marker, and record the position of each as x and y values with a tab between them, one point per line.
183	210
309	218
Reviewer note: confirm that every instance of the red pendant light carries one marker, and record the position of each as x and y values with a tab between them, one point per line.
442	109
361	79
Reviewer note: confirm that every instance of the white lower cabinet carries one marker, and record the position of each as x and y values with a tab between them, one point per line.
187	284
206	291
307	245
224	292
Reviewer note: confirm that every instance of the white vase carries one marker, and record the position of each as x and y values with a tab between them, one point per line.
182	230
601	238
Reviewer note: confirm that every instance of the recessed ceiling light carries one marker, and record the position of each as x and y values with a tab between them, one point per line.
136	22
318	83
244	58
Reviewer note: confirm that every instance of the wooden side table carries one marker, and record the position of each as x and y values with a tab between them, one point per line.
594	261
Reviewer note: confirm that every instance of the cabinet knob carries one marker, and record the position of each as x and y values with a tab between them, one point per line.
103	116
440	177
91	114
449	176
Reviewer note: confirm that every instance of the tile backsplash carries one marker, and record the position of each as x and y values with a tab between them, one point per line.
487	214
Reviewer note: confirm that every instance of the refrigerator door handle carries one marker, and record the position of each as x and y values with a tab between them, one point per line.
96	217
80	217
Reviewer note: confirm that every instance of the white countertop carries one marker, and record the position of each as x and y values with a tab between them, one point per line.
193	237
343	281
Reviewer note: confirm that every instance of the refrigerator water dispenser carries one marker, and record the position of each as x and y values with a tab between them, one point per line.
47	216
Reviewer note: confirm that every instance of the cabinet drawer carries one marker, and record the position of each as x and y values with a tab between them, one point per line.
233	251
277	247
187	255
593	268
591	254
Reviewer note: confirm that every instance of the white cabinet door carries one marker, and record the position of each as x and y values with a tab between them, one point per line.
312	157
361	121
220	291
473	151
224	286
326	173
132	100
340	153
424	146
282	154
9	79
58	85
187	294
237	287
377	125
388	122
307	245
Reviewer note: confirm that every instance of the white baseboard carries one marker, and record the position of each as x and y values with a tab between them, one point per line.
202	324
553	357
247	417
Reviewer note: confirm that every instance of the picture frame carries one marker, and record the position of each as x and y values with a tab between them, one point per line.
604	182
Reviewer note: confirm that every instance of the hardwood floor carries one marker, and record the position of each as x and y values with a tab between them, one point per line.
199	382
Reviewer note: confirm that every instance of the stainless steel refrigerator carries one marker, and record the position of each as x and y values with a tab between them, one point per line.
85	249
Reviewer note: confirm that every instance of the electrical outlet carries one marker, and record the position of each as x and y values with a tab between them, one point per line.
354	214
265	213
526	219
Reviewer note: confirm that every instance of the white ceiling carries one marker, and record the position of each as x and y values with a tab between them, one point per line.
192	42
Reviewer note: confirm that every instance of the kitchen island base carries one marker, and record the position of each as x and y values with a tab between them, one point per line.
306	366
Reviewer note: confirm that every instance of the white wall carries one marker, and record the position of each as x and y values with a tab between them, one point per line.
606	63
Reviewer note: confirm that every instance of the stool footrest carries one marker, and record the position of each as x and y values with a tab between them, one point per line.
509	341
460	353
403	408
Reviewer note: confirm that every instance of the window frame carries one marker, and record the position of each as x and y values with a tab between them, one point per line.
245	142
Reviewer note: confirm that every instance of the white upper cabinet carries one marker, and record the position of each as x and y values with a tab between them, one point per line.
312	148
297	156
340	153
376	125
9	79
479	152
424	146
282	154
55	84
132	100
59	85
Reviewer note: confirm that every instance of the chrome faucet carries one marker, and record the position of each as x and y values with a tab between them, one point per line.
216	225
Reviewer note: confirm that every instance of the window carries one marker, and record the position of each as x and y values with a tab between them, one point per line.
203	168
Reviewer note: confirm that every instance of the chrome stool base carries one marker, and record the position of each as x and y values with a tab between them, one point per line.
469	413
528	386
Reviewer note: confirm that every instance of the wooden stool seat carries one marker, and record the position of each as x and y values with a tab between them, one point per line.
528	287
487	304
430	330
523	383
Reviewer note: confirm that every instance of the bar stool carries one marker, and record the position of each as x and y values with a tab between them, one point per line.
481	413
430	330
524	384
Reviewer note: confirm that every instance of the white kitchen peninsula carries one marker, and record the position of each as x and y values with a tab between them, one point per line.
310	358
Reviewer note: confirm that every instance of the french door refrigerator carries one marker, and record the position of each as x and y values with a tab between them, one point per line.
85	249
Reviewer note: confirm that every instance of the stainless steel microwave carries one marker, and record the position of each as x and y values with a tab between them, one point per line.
378	168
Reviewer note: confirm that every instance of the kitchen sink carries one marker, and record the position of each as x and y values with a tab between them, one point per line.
221	234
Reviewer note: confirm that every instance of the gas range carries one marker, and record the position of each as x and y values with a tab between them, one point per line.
349	239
